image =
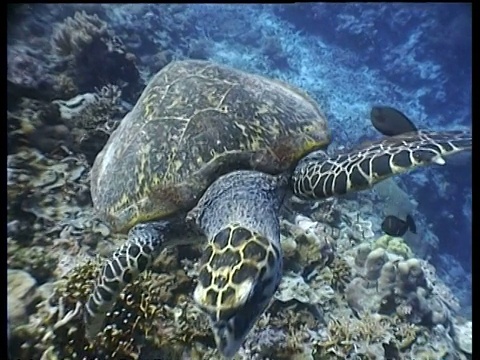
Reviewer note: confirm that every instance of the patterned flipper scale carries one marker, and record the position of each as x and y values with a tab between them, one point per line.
144	244
319	176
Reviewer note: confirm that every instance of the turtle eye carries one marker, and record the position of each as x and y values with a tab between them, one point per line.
308	129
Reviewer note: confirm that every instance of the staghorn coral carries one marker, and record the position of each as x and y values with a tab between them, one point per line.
346	337
75	33
371	335
405	334
282	333
341	274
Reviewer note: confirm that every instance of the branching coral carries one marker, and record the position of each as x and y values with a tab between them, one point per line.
341	274
97	57
59	312
347	337
94	116
71	36
405	334
92	110
283	333
152	314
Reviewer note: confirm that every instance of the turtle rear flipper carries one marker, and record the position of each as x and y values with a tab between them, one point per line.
319	176
242	264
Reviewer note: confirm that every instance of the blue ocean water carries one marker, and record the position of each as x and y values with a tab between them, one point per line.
347	56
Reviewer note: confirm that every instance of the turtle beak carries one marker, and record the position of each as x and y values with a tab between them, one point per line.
230	334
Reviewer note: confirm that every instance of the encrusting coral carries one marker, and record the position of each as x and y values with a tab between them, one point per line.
394	245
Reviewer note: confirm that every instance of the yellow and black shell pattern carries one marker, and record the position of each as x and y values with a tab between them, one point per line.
197	120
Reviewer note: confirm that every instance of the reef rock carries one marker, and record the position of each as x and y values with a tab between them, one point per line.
463	336
21	293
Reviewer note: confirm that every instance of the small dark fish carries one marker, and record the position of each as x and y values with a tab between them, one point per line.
394	226
390	121
411	224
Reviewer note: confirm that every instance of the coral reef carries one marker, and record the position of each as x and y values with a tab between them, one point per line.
346	292
21	295
75	33
327	212
329	277
312	244
463	336
150	314
393	244
401	289
99	57
368	336
81	124
93	117
35	260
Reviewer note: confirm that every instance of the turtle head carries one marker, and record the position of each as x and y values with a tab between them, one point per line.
239	273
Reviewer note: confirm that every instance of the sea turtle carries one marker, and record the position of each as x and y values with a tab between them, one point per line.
213	151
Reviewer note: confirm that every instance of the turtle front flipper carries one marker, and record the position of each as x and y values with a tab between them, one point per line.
144	244
241	267
319	176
